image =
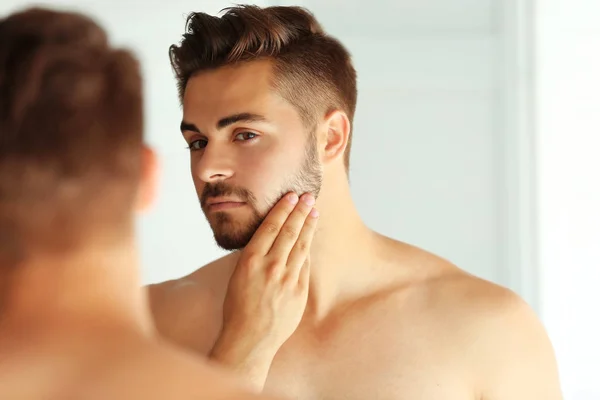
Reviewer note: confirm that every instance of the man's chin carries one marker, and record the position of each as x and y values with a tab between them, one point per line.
234	233
232	242
233	238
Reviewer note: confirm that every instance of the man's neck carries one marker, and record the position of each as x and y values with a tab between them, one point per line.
341	253
95	285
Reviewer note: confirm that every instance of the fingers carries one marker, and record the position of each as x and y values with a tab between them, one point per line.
267	232
300	252
293	228
298	276
303	279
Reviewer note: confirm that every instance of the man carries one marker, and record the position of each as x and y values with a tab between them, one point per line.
74	323
268	101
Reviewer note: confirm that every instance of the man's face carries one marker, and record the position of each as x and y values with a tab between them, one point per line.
248	147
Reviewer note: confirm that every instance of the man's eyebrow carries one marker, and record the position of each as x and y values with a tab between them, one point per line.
224	122
242	117
186	126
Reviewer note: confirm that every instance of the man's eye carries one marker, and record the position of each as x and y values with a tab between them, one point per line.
197	144
245	136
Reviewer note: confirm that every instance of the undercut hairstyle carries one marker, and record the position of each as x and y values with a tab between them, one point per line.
312	70
71	131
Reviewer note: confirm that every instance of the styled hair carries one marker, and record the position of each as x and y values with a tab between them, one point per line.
71	130
312	70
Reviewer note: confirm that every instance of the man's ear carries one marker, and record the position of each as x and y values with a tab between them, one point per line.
337	127
148	184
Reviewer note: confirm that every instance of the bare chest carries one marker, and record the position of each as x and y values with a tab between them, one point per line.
369	361
373	350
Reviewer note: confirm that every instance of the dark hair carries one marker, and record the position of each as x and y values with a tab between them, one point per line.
313	71
71	124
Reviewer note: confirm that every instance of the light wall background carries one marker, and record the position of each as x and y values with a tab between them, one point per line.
475	138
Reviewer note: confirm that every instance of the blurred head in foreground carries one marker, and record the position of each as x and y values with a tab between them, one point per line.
73	167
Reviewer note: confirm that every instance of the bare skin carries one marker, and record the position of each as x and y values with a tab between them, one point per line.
78	327
120	364
439	333
382	319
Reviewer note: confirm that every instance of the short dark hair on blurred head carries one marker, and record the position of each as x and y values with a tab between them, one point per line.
71	130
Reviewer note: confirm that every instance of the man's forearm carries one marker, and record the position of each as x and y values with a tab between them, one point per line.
251	363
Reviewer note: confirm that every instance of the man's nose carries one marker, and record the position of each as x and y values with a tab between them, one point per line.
214	165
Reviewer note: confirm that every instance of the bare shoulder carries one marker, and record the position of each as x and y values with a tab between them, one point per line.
507	344
210	277
471	301
183	308
478	306
495	330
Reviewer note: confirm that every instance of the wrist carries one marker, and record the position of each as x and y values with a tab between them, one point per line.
234	349
251	360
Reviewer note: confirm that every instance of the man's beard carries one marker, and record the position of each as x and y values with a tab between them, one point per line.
230	236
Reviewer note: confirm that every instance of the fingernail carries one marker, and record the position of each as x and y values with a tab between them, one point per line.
308	199
293	198
314	213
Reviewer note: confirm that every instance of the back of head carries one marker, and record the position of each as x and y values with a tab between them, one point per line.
70	131
312	70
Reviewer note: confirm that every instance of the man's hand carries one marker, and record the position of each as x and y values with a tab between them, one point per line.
268	290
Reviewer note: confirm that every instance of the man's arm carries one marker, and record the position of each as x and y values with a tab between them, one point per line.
250	362
516	360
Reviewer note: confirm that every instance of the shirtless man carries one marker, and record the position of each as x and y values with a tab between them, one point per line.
74	323
268	101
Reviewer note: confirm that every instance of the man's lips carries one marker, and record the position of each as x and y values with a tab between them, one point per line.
220	204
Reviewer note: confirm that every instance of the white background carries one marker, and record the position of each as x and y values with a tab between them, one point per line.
475	138
568	122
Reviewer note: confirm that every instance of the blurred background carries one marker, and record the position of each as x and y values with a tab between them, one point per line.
476	137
